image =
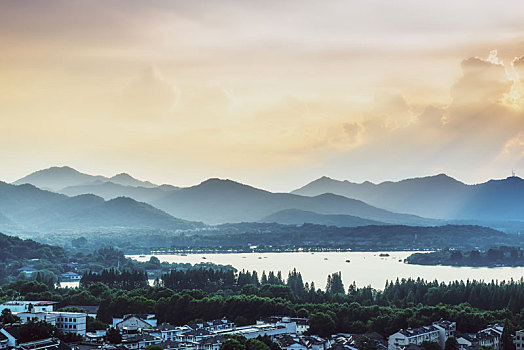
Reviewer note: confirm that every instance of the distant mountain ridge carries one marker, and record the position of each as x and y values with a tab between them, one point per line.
299	217
217	201
109	190
57	178
34	209
438	196
417	201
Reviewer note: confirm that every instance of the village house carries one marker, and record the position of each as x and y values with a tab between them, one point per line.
437	332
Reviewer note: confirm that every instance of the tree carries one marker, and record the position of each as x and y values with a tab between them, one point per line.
334	284
321	324
451	344
231	344
113	336
36	330
154	347
7	317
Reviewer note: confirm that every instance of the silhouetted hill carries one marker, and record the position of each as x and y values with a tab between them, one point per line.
299	217
109	190
14	248
494	200
57	178
437	196
127	180
34	209
219	201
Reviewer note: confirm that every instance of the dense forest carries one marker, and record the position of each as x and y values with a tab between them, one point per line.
334	308
496	256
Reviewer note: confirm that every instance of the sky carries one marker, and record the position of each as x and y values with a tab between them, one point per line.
269	93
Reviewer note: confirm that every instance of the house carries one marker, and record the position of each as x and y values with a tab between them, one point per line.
256	330
44	344
405	337
301	342
210	343
315	342
214	325
519	340
437	332
37	316
140	341
167	331
25	305
70	276
27	270
193	335
302	323
446	329
489	336
290	342
175	345
134	322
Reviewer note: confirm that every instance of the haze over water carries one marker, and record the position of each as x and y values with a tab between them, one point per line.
365	268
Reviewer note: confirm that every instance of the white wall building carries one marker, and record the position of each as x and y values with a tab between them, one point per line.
37	316
417	336
438	332
25	306
519	340
71	322
256	330
134	322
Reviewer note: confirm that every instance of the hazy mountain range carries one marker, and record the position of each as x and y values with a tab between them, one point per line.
437	196
78	200
26	207
58	178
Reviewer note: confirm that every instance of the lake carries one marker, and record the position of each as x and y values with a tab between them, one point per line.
365	268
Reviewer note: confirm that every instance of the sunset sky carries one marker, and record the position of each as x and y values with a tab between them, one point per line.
269	93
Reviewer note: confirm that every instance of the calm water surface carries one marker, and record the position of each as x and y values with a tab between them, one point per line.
365	268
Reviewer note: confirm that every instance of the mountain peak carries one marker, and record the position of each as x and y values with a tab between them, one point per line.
122	176
127	180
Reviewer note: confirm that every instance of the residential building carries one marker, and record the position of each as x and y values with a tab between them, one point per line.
489	336
134	322
256	330
71	322
167	331
214	325
28	306
140	341
519	340
437	332
301	342
302	323
44	344
193	335
446	329
37	316
404	337
290	342
210	343
70	276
